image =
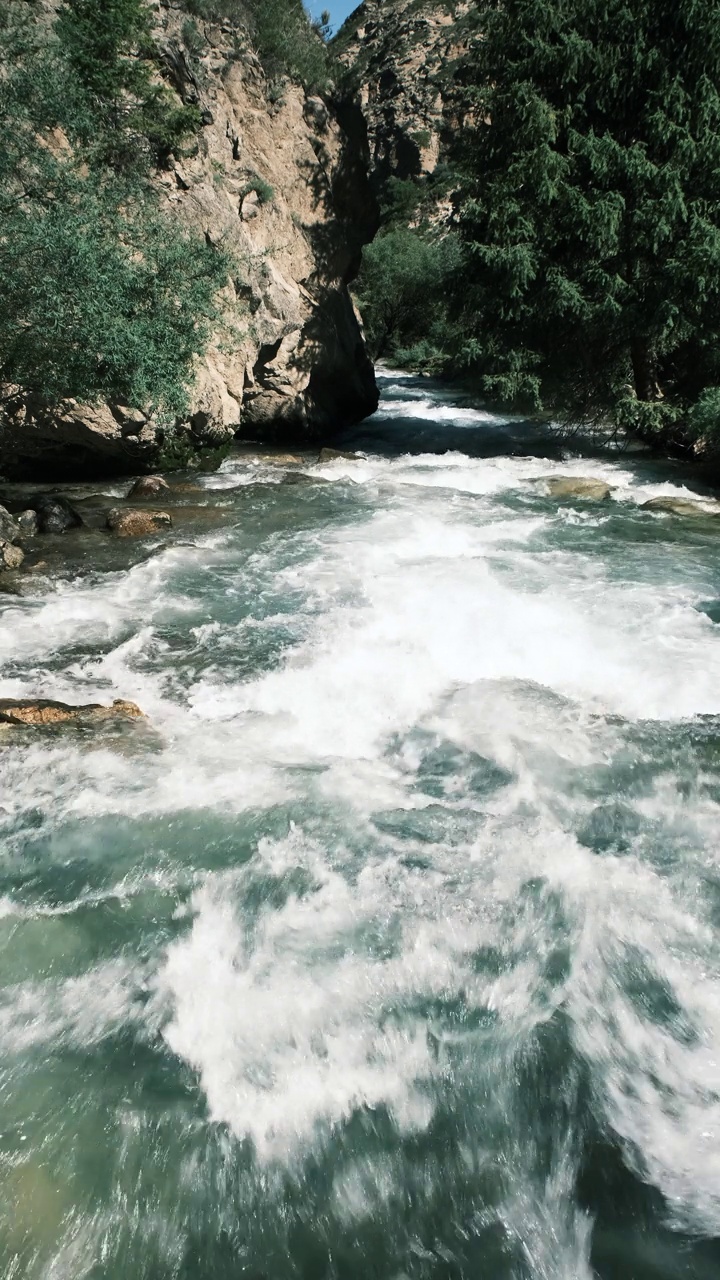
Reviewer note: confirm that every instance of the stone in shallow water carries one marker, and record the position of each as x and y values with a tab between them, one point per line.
11	557
129	523
586	487
148	487
28	523
9	527
45	711
55	514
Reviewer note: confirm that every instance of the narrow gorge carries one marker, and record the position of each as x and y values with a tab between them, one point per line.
359	730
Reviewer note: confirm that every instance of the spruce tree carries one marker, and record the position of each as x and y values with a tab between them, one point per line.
592	205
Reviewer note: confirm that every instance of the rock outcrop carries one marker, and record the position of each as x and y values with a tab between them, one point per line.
279	178
404	57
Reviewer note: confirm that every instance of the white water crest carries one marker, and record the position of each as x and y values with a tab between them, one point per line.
394	940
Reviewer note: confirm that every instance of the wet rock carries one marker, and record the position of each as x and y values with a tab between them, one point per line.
683	506
585	487
9	528
131	523
55	514
11	557
148	487
28	523
276	459
12	583
331	455
44	711
301	477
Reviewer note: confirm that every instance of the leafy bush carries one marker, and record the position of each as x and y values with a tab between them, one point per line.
102	298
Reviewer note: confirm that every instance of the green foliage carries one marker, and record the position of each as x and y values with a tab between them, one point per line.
119	108
103	296
591	208
403	290
192	37
262	189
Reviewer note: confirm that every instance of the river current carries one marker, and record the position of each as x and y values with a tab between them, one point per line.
390	947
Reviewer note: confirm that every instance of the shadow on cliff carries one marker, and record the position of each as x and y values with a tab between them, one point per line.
341	388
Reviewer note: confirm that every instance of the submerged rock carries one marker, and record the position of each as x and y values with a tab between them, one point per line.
148	487
11	557
683	506
131	523
301	477
45	711
55	514
331	455
278	459
586	487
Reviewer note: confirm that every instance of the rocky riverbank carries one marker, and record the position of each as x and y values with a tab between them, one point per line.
277	178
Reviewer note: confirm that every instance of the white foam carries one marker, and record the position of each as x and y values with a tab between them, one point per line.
452	600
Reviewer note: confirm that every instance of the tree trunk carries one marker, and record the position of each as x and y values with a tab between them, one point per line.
644	375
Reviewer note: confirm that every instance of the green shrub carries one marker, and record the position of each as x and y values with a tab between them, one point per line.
103	295
405	290
263	190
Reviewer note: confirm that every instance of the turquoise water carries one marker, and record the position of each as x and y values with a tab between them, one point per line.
389	948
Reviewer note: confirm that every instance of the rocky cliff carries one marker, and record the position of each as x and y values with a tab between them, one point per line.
279	178
405	59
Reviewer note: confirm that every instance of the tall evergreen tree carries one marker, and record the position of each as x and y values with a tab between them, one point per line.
592	205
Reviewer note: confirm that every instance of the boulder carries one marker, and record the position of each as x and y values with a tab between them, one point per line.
11	557
683	506
128	522
9	528
44	711
148	487
584	487
331	455
28	523
55	514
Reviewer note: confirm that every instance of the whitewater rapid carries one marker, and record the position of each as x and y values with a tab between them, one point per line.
391	947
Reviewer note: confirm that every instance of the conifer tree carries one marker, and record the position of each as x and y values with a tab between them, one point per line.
592	205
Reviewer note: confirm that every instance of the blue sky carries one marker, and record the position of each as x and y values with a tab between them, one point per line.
339	9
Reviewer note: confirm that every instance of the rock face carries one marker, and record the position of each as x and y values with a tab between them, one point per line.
279	179
403	55
130	523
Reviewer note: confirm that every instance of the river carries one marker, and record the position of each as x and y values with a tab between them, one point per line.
389	947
